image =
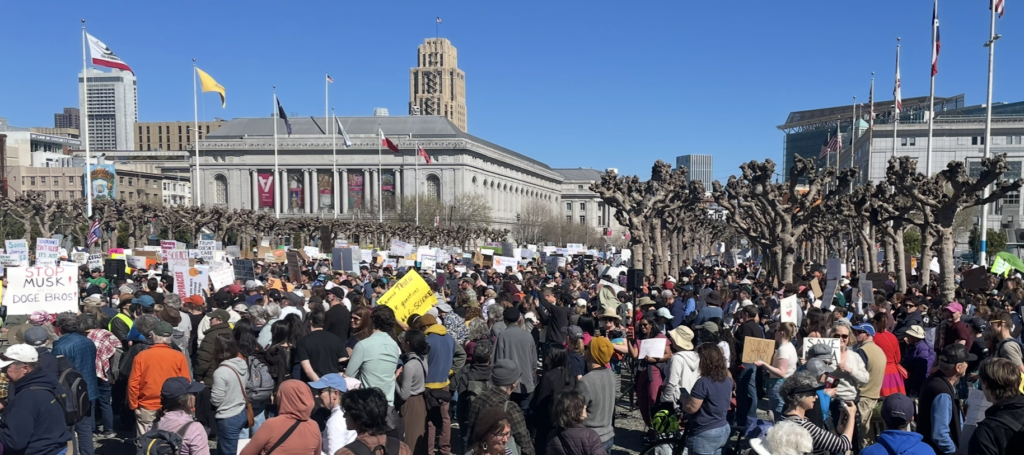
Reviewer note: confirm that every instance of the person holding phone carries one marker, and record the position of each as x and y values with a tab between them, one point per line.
799	393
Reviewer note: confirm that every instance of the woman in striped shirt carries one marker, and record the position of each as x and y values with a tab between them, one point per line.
798	393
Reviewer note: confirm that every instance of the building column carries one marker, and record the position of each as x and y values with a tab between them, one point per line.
344	191
375	195
398	189
315	178
255	177
367	187
283	190
307	202
336	194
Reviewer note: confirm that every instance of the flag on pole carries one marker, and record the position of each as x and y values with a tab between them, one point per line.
896	90
94	232
210	85
938	41
423	153
344	135
280	113
330	79
438	19
834	144
103	56
999	5
387	142
871	101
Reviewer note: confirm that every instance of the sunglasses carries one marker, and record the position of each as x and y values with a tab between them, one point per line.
843	337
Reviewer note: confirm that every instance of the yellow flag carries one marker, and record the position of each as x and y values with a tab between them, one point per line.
210	85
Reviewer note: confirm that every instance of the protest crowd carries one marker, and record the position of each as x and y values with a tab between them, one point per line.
465	356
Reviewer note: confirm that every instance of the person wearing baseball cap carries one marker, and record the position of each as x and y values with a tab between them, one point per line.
506	376
939	410
331	387
33	418
177	399
204	355
920	358
957	330
897	413
151	368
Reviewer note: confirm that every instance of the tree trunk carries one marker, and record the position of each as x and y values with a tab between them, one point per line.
673	260
901	260
872	249
924	268
947	243
890	264
637	253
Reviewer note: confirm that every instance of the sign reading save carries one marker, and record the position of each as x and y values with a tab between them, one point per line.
51	289
410	295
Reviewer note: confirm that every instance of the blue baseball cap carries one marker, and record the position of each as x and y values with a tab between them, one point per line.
144	300
333	380
867	328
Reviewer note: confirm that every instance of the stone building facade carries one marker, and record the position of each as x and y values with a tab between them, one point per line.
437	86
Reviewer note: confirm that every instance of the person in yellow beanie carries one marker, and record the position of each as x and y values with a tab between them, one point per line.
598	386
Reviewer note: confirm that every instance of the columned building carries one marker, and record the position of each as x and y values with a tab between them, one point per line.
237	168
581	205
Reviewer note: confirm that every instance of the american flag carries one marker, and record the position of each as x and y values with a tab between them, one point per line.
938	40
834	144
1000	6
94	232
871	101
330	79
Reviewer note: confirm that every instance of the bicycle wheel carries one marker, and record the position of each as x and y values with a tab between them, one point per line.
672	446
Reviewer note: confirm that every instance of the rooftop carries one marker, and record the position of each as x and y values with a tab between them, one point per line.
798	119
580	174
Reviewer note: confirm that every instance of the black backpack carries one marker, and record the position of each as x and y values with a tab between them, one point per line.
357	447
161	442
60	396
76	401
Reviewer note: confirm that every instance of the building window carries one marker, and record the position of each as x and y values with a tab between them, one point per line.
913	141
434	186
903	142
600	220
568	206
1012	140
221	187
579	187
583	219
978	140
42	180
568	218
131	181
120	180
71	180
1012	197
32	181
56	194
583	206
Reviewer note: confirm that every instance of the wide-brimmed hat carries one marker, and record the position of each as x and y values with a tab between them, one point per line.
682	336
644	301
916	331
610	313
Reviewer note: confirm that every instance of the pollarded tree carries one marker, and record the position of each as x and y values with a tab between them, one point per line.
940	197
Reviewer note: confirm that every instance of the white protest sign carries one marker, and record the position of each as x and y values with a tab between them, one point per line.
427	262
80	258
574	248
340	243
177	259
18	247
788	308
51	289
165	246
222	277
365	256
206	249
393	263
311	251
191	280
10	260
831	342
47	252
137	262
68	264
95	261
500	262
232	251
400	248
549	249
265	241
219	263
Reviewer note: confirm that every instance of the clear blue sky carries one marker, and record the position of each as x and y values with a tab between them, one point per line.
594	84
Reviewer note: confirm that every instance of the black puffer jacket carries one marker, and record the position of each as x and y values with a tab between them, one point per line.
204	356
579	440
1002	431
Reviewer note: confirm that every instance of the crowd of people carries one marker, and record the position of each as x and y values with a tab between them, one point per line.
521	361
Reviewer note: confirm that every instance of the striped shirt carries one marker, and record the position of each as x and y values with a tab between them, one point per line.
825	442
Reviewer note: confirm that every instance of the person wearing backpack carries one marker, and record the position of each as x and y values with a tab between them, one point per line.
151	369
33	420
366	412
81	353
1002	431
228	393
259	386
292	432
177	398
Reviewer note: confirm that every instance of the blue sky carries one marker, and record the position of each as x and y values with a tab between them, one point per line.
593	84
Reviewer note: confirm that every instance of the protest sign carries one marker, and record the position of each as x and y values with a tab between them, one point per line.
410	295
788	308
365	256
549	249
428	262
47	251
500	262
399	248
80	258
10	260
311	251
758	349
393	263
243	269
232	251
222	277
294	270
51	289
165	246
18	247
340	243
194	254
831	342
95	261
191	280
574	248
137	262
206	249
177	259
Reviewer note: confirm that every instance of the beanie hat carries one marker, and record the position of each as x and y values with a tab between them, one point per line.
601	350
504	372
486	421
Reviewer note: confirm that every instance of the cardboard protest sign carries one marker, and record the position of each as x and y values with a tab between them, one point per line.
222	277
831	342
758	349
410	295
51	289
47	251
191	280
788	309
816	288
243	269
400	248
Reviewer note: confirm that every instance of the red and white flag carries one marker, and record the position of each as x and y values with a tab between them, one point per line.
387	142
936	39
423	153
896	90
1000	7
103	56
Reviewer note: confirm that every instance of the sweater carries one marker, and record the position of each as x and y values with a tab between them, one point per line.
846	389
295	405
580	440
682	373
442	353
204	355
151	368
895	442
517	345
33	422
228	392
598	387
411	380
195	441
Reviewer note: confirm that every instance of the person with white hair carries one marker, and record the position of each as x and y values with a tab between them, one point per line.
273	311
785	438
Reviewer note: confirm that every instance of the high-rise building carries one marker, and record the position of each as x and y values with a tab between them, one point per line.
68	119
437	86
699	166
113	109
151	136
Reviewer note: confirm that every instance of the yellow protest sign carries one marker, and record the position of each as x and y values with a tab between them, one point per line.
410	295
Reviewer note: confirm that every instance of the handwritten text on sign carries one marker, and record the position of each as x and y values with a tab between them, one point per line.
51	289
758	349
47	251
410	295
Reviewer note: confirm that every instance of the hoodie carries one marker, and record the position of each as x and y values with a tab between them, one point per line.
895	442
441	357
682	374
295	403
228	393
30	420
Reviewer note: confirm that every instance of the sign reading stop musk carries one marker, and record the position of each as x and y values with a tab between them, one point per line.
51	289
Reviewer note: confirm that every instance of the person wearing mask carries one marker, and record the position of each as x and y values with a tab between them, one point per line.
897	413
871	391
783	365
33	420
336	434
598	386
799	392
150	371
504	378
79	350
1000	433
291	432
366	412
708	402
939	413
517	345
374	361
177	399
410	388
205	364
571	437
919	360
228	392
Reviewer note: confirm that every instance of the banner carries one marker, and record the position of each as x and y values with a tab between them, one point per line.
295	198
265	184
355	189
51	289
410	295
325	190
47	251
104	181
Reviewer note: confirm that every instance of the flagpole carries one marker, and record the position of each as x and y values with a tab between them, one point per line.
991	44
853	130
327	90
277	174
896	103
931	95
416	180
871	129
85	127
195	109
334	157
380	176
